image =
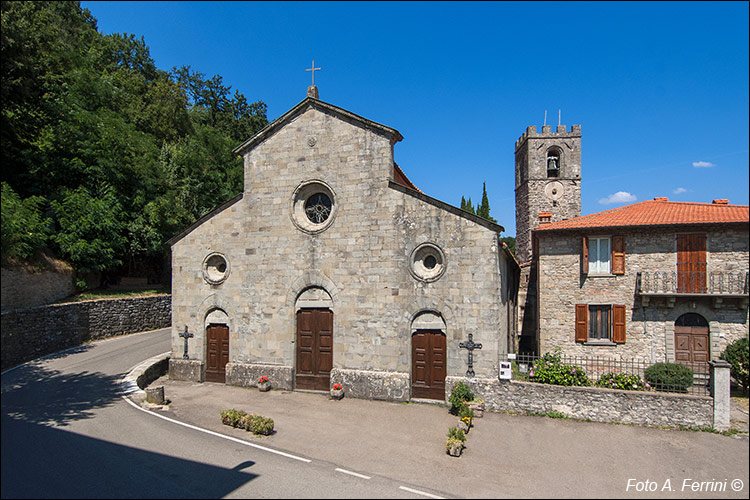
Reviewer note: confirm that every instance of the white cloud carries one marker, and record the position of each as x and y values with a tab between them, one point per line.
703	164
618	197
679	190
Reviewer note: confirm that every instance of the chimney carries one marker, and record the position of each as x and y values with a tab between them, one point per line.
720	202
661	198
312	91
545	217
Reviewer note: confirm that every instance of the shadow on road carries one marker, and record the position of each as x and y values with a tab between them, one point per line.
44	462
40	395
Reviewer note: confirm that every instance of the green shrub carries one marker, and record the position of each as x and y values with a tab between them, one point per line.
232	417
737	355
671	377
465	412
261	425
460	394
456	433
549	369
622	381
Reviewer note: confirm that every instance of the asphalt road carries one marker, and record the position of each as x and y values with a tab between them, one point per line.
68	433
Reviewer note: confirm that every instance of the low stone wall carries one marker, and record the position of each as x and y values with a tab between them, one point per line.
22	287
30	333
599	405
247	375
365	384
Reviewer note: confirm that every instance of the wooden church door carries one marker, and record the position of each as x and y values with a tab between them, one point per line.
314	349
217	352
428	359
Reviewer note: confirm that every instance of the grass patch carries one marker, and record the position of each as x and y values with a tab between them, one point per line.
112	294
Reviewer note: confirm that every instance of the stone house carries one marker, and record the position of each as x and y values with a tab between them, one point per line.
332	267
657	280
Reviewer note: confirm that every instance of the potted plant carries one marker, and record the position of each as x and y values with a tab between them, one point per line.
337	391
465	415
263	384
456	442
477	404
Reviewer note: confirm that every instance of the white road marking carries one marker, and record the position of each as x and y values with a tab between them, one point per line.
240	441
424	493
353	473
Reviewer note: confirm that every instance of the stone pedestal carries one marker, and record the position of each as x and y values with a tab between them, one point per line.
155	395
720	390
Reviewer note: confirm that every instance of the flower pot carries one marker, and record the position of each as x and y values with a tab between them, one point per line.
455	449
478	408
337	393
464	426
264	386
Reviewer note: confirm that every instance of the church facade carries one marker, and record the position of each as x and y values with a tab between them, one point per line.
332	267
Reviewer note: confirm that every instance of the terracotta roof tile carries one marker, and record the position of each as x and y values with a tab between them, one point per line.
657	212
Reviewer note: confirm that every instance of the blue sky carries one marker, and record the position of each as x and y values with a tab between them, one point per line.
660	89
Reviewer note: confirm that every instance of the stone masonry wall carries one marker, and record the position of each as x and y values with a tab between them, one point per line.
599	405
22	288
30	333
650	329
361	259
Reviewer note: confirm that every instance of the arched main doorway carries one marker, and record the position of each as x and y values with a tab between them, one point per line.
691	339
314	340
428	357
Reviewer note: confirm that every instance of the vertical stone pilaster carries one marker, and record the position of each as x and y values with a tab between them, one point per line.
720	389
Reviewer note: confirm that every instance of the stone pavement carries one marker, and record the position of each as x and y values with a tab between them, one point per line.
506	455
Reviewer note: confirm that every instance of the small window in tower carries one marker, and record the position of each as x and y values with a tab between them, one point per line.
553	162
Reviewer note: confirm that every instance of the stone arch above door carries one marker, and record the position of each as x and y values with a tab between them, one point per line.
312	279
428	320
314	297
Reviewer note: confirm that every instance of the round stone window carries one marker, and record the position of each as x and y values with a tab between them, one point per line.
215	268
313	206
427	262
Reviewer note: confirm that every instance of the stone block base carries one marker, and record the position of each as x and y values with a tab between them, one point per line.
365	384
186	369
247	374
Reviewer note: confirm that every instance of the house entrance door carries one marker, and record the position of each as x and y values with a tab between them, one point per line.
217	352
428	364
314	349
691	263
691	339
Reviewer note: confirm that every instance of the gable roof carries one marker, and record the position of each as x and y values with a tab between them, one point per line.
311	102
656	212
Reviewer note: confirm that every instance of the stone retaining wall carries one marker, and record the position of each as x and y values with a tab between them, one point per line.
30	333
599	405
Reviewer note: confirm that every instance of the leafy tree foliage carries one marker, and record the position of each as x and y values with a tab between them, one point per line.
120	154
511	242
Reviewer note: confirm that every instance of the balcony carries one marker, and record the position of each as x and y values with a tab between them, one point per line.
720	286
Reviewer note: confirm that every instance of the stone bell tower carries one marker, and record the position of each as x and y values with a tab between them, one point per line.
548	181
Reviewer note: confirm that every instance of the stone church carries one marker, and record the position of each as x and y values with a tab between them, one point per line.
332	267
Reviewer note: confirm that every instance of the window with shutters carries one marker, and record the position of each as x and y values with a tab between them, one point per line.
600	323
600	255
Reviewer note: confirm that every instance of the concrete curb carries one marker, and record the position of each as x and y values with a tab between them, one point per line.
143	374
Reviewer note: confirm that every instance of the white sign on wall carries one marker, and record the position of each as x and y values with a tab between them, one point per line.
506	372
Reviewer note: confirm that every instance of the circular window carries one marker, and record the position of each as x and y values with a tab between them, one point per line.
427	262
313	206
215	268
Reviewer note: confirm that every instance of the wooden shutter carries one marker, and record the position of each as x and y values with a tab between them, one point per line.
585	255
618	255
582	323
618	324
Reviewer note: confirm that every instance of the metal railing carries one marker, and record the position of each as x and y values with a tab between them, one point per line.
601	371
710	283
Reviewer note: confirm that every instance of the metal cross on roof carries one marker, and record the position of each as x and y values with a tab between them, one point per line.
470	345
186	335
313	71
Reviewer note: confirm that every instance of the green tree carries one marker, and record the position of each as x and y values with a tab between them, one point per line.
24	229
467	205
483	210
511	242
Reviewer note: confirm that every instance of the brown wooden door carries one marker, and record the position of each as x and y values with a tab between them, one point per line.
691	263
217	352
691	339
314	349
428	361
